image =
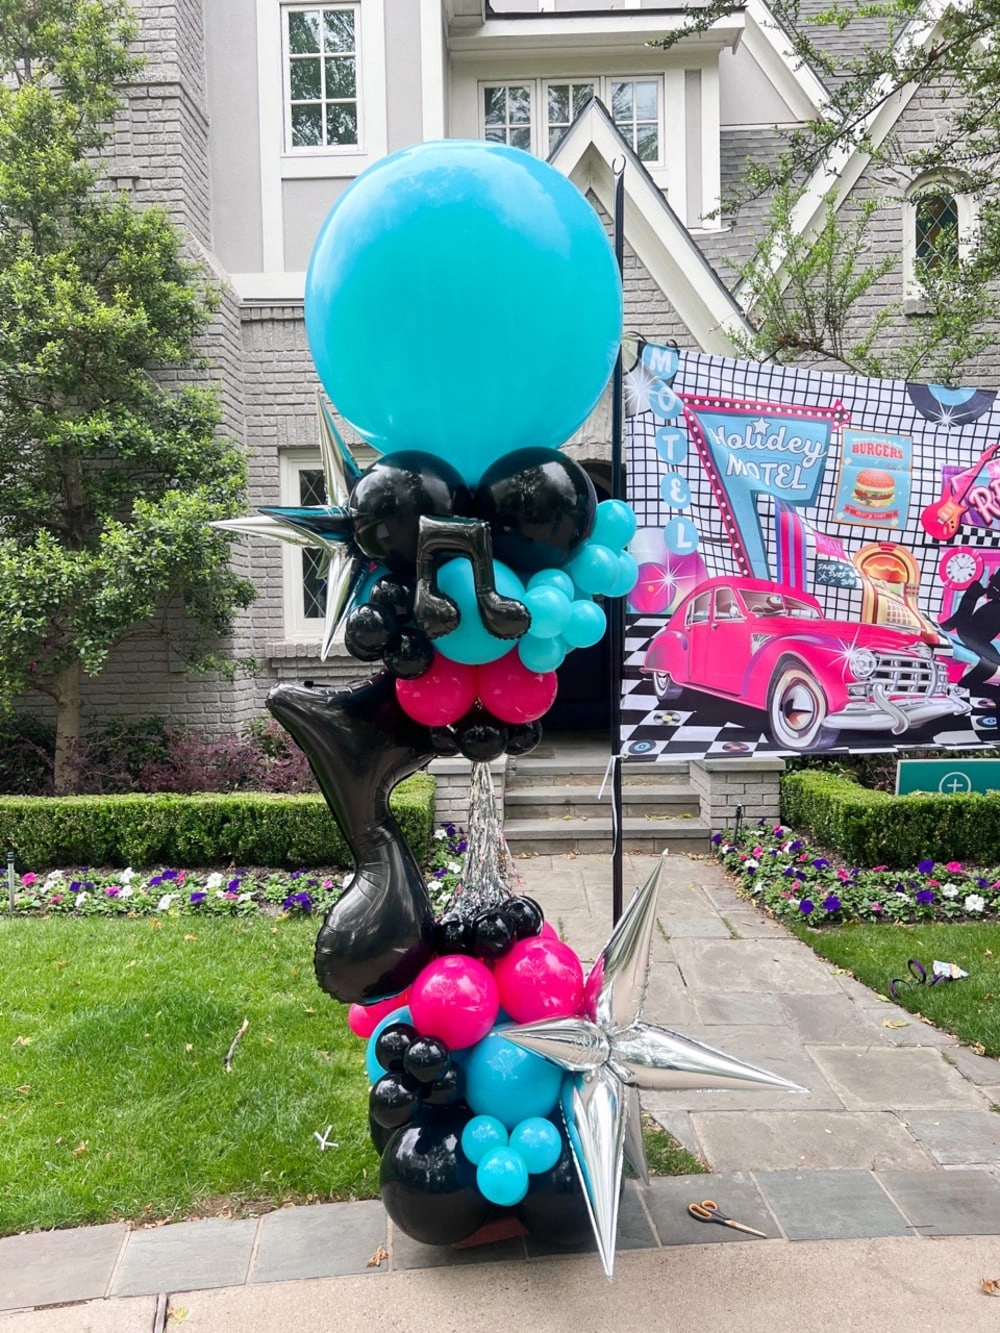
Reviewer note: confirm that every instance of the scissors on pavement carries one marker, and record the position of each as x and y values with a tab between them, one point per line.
918	977
708	1211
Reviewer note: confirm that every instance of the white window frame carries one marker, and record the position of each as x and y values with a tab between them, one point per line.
297	625
574	81
955	185
331	150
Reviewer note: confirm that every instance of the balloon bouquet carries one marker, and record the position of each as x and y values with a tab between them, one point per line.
463	309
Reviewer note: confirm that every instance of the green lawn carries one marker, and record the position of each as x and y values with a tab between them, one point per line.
969	1008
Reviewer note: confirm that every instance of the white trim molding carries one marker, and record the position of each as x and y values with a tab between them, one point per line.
934	182
798	86
433	81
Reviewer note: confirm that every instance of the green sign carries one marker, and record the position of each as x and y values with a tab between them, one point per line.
947	777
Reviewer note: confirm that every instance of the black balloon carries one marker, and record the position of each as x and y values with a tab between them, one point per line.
540	506
448	1090
481	737
426	1060
359	744
445	741
369	632
412	655
393	1101
428	1184
389	498
392	1044
379	1136
525	915
453	934
555	1207
493	933
523	739
394	596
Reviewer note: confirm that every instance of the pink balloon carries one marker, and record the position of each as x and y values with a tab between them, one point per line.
455	998
363	1019
440	696
540	978
513	693
548	932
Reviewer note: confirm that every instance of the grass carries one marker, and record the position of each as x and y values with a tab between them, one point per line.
114	1103
876	954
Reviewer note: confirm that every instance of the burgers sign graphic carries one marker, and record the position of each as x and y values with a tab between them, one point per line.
874	487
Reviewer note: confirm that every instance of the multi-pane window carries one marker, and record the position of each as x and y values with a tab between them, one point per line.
635	109
507	114
564	102
312	491
321	59
936	232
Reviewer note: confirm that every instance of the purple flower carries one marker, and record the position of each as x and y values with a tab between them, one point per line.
112	891
821	863
925	867
790	872
233	885
982	882
155	881
463	846
795	846
716	838
440	874
198	896
74	886
831	903
806	906
299	900
925	897
168	874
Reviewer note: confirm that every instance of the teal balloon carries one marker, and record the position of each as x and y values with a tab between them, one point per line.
614	525
502	1177
423	252
472	643
552	578
628	575
480	1135
587	623
594	569
541	654
508	1082
549	609
375	1070
539	1143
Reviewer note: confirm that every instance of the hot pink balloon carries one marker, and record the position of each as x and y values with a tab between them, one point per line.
513	693
440	696
363	1019
455	998
548	931
540	978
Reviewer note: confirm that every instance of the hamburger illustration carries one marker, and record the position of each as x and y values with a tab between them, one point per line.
874	489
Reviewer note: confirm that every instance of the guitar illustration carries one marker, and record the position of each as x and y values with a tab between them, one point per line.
941	519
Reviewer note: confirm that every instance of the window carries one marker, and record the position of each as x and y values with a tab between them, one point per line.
635	109
564	102
938	232
303	483
534	114
321	77
507	114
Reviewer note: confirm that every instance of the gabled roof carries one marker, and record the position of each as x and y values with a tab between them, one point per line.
661	241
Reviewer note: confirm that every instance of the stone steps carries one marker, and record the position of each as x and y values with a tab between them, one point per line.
645	801
555	836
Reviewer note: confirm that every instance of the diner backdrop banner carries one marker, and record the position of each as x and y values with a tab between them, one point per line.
819	561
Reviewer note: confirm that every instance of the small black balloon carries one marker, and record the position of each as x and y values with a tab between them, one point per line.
523	739
394	596
524	915
444	741
379	1136
448	1089
392	1044
388	500
540	506
412	655
369	631
393	1101
453	934
481	737
427	1059
494	933
555	1208
428	1184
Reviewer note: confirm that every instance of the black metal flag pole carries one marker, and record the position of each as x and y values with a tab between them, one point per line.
616	637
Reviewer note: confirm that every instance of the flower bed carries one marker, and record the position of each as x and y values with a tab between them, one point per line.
795	881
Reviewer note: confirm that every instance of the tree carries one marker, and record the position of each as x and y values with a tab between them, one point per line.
109	474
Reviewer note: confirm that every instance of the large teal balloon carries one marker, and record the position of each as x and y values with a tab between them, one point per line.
432	285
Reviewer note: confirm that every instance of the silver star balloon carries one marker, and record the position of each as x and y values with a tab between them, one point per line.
611	1053
328	528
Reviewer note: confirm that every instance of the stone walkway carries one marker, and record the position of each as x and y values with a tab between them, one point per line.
896	1136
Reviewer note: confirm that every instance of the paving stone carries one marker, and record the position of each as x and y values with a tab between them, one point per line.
981	1069
992	1095
680	1125
779	966
634	1230
750	925
861	995
667	1001
408	1253
831	1020
49	1267
958	1138
321	1240
793	1140
877	1079
948	1203
186	1256
739	1007
832	1205
667	1199
689	927
134	1314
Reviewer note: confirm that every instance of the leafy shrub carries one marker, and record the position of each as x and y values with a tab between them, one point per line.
876	771
27	747
875	828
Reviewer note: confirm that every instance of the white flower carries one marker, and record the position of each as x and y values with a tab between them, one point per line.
794	902
53	878
439	835
750	863
975	902
453	868
244	897
81	898
220	893
214	880
127	874
949	891
126	892
164	904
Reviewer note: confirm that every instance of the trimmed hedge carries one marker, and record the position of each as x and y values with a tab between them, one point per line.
246	829
870	828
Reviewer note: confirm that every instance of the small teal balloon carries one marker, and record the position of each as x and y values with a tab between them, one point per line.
541	654
539	1143
375	1070
614	525
594	569
552	578
587	623
502	1177
508	1082
472	643
480	1135
628	575
549	609
432	244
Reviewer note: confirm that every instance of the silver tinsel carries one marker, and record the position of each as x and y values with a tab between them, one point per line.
488	874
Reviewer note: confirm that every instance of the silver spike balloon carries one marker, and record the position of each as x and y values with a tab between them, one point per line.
613	1052
340	471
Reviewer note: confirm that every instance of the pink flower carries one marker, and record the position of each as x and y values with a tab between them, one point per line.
954	866
842	875
758	851
56	898
328	884
28	879
803	857
875	907
934	882
181	876
880	867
